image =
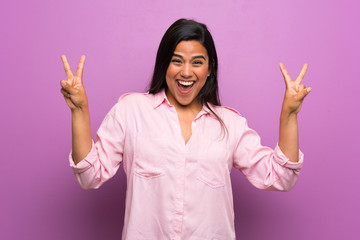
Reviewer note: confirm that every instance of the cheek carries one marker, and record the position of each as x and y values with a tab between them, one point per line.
203	83
168	76
203	74
171	72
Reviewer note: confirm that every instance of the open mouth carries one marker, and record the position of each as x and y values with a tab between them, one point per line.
185	86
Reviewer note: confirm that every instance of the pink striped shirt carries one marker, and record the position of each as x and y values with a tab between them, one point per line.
177	190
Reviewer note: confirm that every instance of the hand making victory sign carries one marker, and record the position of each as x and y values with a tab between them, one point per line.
293	98
75	97
73	88
295	92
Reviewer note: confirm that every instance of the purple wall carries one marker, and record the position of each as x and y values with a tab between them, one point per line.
40	198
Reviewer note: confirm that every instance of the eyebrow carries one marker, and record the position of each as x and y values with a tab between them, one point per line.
194	57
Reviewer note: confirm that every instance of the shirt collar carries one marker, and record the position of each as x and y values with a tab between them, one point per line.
160	98
205	111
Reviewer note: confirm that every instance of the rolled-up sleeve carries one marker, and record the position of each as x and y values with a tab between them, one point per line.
105	155
265	168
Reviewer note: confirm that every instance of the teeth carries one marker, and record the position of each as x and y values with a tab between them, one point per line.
186	83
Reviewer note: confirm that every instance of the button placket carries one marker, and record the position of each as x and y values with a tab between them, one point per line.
179	195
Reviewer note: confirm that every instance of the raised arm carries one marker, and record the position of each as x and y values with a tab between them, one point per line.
294	96
75	97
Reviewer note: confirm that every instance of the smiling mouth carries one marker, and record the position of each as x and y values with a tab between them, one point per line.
185	86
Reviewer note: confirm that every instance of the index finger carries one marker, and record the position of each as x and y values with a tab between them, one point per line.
80	68
301	74
285	74
67	68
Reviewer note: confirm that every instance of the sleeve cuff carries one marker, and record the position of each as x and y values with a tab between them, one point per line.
86	163
281	159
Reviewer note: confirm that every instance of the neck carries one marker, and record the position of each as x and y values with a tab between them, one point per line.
194	107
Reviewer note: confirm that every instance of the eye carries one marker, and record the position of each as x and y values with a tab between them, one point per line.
175	60
197	62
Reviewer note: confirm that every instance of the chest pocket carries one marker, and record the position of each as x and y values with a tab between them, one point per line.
149	155
212	165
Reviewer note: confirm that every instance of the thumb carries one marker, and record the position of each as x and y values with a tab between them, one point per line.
304	92
65	85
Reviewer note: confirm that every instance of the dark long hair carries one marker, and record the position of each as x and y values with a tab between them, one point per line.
187	30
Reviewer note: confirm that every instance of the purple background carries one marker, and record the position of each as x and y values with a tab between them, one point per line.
40	198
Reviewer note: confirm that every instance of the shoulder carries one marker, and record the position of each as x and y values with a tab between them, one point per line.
130	106
133	97
130	102
226	112
229	115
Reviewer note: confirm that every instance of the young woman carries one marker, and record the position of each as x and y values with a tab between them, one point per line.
178	144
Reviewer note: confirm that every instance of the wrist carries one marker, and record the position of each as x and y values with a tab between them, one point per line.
287	115
288	110
80	110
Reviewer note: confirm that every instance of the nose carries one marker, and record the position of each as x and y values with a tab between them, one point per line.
186	71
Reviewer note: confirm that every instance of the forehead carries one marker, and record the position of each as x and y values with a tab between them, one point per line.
190	48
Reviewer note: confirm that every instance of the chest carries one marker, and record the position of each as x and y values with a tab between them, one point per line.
164	142
185	124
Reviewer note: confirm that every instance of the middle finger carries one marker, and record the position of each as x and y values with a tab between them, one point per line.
301	74
80	68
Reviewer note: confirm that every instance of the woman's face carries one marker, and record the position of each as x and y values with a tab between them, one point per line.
187	73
